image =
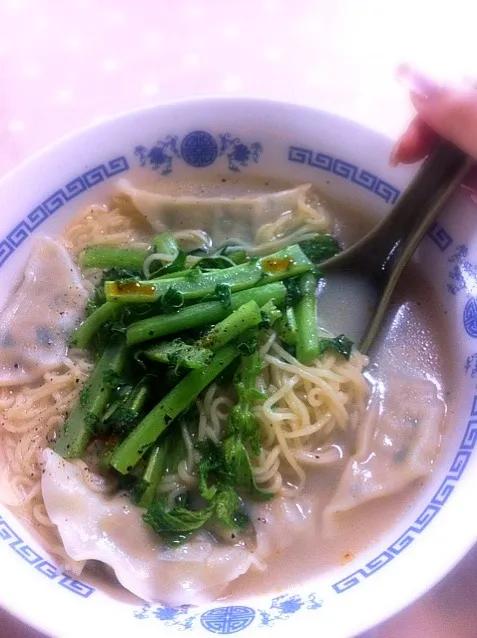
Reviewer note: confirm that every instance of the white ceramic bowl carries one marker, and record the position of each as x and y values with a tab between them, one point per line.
349	163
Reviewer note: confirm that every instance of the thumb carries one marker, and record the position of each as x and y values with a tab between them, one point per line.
451	111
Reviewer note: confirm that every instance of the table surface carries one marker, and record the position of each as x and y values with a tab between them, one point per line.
67	64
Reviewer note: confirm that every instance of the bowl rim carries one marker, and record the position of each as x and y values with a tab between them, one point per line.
467	537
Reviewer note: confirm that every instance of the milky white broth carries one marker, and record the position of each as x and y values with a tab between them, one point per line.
414	342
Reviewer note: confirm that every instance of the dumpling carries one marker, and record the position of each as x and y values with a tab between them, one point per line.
226	217
280	523
36	322
95	525
397	444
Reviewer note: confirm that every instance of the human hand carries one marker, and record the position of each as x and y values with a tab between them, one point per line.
443	111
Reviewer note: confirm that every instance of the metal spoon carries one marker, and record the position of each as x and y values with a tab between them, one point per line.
381	255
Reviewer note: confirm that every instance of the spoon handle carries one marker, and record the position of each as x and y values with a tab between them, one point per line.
395	239
417	207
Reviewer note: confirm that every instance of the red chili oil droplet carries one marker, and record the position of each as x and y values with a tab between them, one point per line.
277	265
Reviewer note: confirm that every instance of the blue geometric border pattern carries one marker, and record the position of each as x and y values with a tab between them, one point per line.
346	170
443	492
43	566
439	236
57	200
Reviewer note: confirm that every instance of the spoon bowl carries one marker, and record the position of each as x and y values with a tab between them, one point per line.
379	258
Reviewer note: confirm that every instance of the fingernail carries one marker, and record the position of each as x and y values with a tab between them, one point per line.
393	158
419	84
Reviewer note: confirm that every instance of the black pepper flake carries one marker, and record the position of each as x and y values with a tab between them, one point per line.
16	366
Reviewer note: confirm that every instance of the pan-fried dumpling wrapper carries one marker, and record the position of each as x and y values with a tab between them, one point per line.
95	525
38	318
397	444
229	217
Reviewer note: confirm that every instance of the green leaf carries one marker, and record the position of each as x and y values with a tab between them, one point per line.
340	344
320	248
178	354
242	422
224	295
171	300
114	274
211	462
178	520
193	273
215	263
175	266
270	314
113	380
238	464
294	291
226	503
248	343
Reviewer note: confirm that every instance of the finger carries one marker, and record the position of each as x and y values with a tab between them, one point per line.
417	142
450	111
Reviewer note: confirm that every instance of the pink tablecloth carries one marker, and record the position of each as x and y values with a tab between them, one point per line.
65	63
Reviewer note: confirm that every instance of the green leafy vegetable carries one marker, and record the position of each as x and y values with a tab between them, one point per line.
340	344
241	420
178	354
235	325
224	295
174	267
307	343
284	264
171	300
287	328
211	464
85	420
106	257
145	489
294	291
240	468
320	248
165	244
123	415
270	314
226	505
179	399
214	263
201	314
178	520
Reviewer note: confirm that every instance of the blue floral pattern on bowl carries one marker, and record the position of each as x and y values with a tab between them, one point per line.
232	618
199	149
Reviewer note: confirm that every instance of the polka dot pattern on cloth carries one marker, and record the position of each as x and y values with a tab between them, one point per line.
63	65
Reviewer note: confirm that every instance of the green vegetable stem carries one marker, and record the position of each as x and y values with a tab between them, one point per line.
85	420
201	314
179	399
286	263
